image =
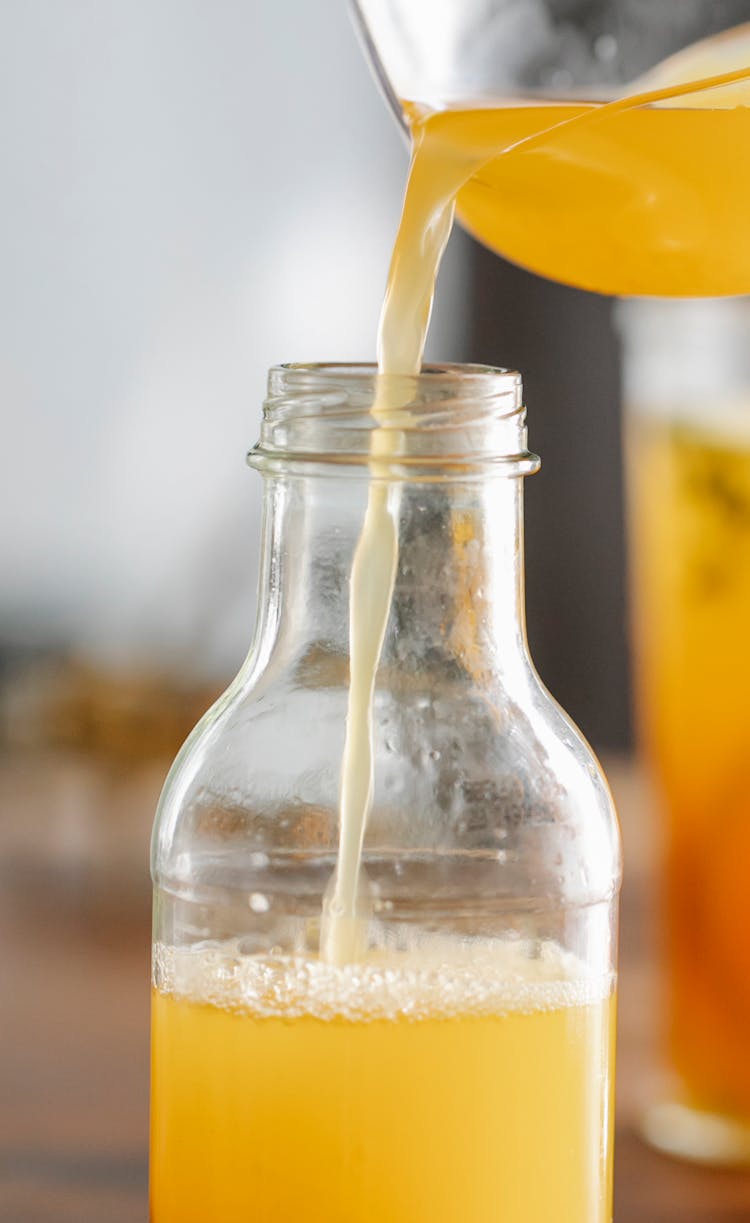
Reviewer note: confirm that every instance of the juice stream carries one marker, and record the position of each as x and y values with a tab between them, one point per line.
422	238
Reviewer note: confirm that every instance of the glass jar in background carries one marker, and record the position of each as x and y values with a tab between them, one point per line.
687	394
461	1066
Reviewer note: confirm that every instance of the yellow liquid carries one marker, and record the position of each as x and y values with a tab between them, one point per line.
690	514
648	201
483	1103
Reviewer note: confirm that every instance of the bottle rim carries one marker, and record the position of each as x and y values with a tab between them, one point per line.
448	420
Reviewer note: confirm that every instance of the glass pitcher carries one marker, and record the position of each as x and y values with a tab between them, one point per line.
458	1067
591	140
447	52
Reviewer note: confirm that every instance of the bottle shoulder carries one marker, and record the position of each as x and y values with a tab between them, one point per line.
477	768
587	810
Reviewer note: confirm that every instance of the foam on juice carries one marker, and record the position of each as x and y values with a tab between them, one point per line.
437	978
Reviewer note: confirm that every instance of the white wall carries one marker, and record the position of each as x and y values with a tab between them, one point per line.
190	191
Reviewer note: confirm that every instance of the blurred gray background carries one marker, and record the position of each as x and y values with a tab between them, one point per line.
190	193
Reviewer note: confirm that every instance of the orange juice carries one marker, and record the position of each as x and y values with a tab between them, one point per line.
649	200
475	1090
690	516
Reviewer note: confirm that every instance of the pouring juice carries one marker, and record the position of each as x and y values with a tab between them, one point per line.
482	1092
622	197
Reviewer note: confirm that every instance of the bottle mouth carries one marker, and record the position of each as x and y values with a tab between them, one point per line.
448	420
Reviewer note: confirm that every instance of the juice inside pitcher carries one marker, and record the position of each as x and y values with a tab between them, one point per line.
648	201
645	195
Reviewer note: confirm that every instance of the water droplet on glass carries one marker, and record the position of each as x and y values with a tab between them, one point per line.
605	48
558	78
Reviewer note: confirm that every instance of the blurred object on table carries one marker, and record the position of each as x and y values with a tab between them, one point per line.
117	714
83	755
687	392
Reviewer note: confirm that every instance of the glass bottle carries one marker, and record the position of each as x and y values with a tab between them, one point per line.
459	1065
687	393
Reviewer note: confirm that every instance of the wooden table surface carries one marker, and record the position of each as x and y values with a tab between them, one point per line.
74	993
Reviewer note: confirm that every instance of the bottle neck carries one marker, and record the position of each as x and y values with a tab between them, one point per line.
458	602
